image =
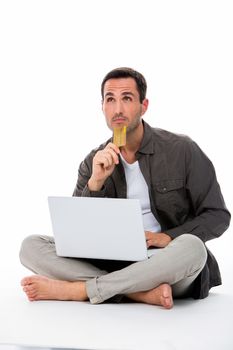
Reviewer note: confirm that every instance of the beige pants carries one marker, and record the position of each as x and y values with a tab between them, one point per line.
178	264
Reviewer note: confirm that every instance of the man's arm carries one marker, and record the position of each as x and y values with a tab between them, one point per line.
211	215
94	171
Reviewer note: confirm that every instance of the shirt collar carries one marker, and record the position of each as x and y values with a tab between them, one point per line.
147	144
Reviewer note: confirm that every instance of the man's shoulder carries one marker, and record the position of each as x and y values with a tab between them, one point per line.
175	143
167	138
165	135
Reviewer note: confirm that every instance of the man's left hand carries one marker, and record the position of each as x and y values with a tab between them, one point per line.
159	239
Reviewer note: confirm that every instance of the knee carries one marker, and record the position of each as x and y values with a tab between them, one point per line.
195	248
27	247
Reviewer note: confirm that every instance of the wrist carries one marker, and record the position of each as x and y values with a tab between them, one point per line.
95	185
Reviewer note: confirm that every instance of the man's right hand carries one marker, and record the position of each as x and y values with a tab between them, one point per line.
103	164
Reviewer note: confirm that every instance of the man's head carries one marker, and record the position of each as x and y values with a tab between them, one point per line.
125	72
124	98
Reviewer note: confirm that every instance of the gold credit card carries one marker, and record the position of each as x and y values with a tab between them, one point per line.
119	136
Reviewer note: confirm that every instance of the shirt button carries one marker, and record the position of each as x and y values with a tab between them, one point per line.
165	189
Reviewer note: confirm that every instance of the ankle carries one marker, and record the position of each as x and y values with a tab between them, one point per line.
79	291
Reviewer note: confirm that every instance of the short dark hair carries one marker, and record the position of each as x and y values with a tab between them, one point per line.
125	72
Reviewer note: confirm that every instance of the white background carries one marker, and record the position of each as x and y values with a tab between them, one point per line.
53	57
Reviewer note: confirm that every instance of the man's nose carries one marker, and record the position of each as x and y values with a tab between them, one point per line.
118	107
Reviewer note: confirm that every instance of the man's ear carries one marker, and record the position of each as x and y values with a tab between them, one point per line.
145	104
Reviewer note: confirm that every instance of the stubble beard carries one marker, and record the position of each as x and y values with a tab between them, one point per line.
131	127
134	125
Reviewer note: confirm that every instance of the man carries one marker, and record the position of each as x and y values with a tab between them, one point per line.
182	208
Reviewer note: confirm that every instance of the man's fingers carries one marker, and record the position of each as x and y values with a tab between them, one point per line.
113	155
111	145
114	151
151	239
104	160
149	235
149	243
106	157
159	240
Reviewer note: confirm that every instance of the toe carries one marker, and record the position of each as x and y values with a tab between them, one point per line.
27	280
31	294
168	303
24	281
29	288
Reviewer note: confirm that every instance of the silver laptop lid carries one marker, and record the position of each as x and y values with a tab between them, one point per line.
102	228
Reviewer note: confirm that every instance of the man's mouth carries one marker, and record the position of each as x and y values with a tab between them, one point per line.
119	120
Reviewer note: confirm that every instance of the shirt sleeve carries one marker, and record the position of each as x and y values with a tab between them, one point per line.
211	217
84	174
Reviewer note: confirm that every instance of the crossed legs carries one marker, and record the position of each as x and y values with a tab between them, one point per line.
168	273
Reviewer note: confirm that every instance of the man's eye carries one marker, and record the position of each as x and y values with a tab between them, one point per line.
127	98
109	99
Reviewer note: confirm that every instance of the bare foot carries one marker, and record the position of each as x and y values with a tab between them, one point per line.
42	288
161	295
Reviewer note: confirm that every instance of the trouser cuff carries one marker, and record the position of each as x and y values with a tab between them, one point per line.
95	296
93	292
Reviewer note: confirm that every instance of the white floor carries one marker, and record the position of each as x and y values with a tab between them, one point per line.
18	347
202	324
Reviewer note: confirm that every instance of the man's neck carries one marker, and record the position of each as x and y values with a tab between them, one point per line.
133	143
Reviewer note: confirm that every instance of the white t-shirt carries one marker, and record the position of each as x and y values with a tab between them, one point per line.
137	188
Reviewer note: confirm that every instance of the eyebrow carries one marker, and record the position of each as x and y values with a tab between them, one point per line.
123	93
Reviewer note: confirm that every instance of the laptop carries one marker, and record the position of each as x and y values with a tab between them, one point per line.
98	228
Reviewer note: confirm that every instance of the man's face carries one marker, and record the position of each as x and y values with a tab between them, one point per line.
121	104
